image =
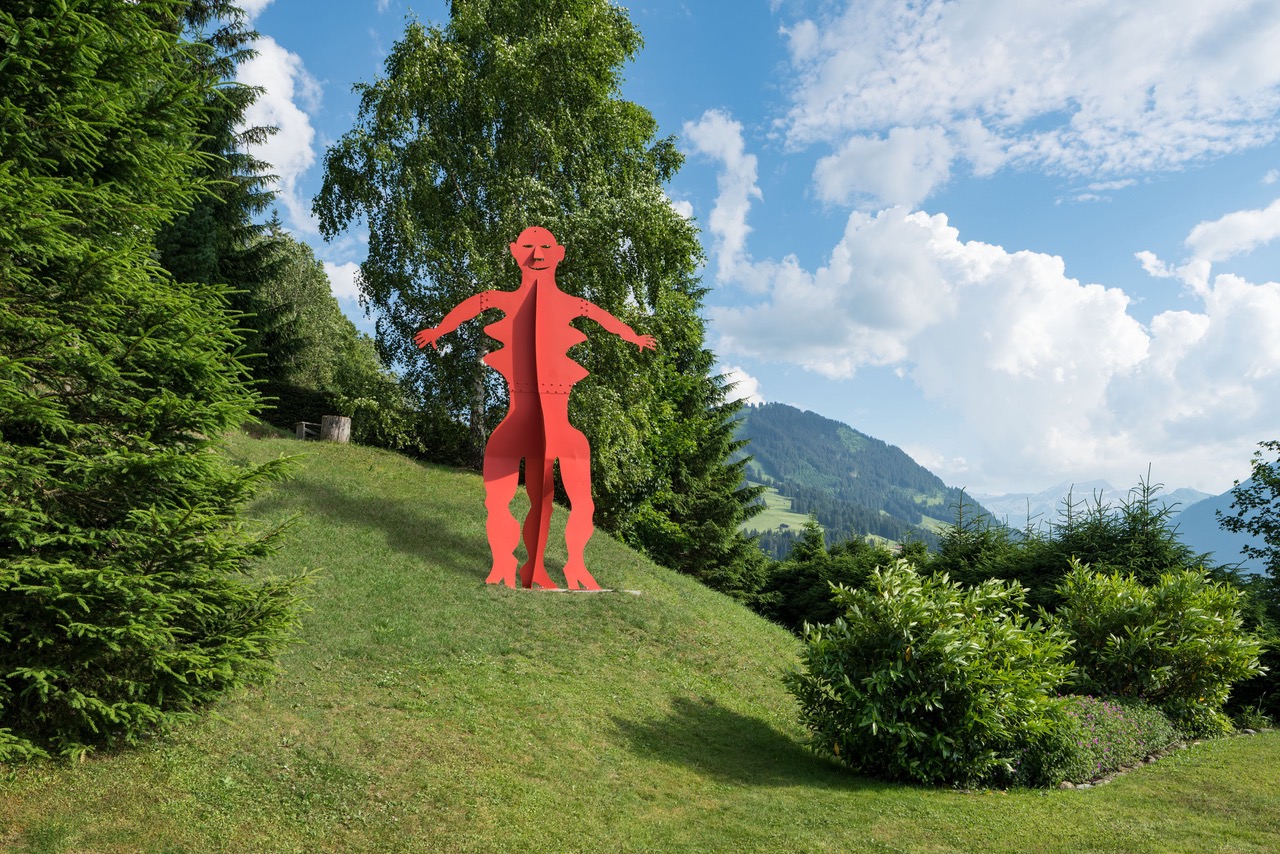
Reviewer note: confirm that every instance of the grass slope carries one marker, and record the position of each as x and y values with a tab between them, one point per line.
425	711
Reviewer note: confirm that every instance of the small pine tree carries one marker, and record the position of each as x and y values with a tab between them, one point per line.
123	595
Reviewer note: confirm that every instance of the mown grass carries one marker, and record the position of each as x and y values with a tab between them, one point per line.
425	711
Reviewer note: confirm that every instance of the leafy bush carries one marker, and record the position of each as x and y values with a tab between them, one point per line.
924	680
1178	645
1108	735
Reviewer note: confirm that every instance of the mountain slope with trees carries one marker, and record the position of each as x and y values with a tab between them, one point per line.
853	484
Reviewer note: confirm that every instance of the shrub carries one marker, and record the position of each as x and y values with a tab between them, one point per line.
1178	645
923	680
1108	735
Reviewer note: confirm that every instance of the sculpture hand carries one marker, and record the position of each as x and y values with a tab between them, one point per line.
425	337
646	342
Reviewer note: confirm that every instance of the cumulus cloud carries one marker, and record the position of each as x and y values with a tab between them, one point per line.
683	207
1072	88
343	279
743	386
252	8
1213	241
901	169
289	94
1235	233
718	136
1043	372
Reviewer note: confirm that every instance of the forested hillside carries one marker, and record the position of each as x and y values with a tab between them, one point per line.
855	485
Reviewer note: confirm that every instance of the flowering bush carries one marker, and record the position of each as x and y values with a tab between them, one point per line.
1106	735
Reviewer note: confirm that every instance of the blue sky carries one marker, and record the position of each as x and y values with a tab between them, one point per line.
1028	242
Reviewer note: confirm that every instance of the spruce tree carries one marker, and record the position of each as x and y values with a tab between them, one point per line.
219	239
124	598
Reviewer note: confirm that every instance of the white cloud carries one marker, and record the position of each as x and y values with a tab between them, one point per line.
1235	233
718	136
1045	375
252	8
289	93
343	279
901	169
744	386
1271	177
684	207
1217	240
1106	91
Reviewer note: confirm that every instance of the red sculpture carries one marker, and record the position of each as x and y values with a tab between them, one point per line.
536	429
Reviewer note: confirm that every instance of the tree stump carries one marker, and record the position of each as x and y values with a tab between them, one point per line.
335	428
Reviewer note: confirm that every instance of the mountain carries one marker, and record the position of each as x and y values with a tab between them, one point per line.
854	484
1045	507
1198	525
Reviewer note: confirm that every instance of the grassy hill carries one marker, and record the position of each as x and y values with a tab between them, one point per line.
425	711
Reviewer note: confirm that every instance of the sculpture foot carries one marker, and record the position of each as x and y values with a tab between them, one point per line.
536	577
578	578
501	575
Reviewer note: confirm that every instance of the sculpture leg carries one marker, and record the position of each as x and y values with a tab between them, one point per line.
567	443
501	478
538	483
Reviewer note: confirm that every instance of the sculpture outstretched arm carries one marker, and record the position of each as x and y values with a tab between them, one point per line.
591	311
460	314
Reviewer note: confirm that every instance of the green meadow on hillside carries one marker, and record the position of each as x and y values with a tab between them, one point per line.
425	711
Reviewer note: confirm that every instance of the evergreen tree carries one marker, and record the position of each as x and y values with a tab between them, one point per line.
799	589
507	117
217	240
123	599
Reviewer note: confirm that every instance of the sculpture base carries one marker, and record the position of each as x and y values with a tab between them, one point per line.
564	590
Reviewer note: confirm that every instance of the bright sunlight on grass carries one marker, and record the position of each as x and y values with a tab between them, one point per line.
425	711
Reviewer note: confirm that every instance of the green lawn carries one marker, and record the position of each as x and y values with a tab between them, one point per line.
425	711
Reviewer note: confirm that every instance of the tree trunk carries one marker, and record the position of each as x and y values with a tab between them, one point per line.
335	428
479	433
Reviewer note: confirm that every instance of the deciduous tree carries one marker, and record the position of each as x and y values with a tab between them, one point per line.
510	116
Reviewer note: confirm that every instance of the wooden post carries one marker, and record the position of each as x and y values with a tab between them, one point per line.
335	428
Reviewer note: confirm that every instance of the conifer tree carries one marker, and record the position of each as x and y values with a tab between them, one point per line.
123	594
218	240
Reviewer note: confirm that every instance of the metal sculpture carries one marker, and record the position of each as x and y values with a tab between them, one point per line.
539	373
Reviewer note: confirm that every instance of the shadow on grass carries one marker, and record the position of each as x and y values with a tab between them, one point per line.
731	747
422	528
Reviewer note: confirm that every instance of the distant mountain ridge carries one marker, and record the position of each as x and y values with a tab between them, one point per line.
854	484
1199	529
1045	506
1194	513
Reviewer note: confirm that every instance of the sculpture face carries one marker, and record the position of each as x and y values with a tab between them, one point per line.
536	249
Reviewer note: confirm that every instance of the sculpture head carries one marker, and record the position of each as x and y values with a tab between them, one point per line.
536	249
